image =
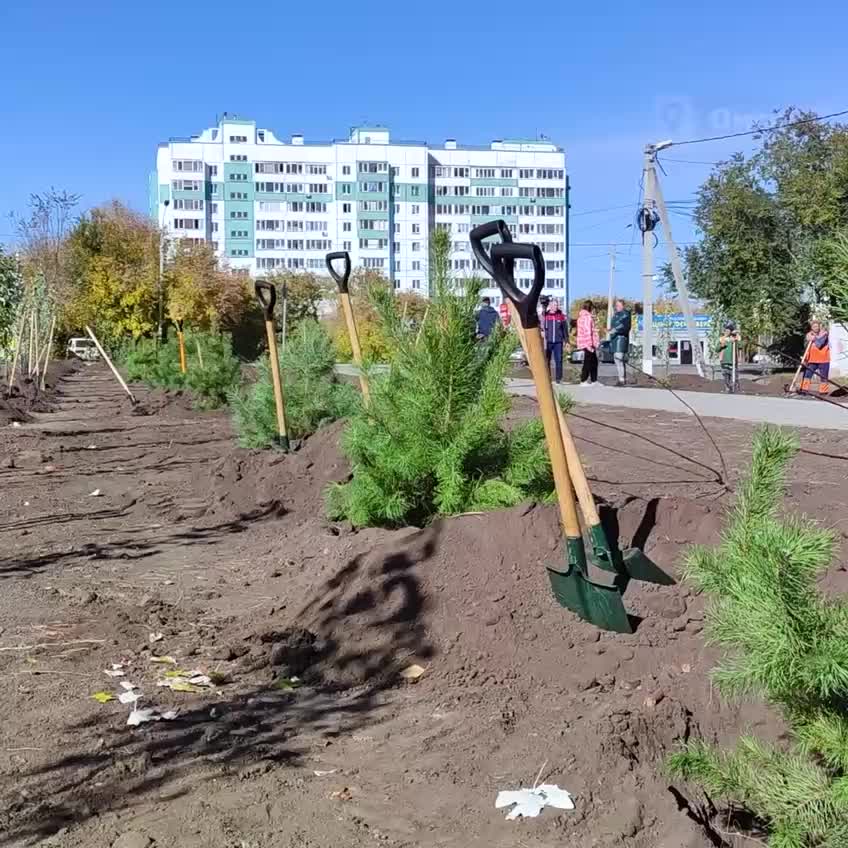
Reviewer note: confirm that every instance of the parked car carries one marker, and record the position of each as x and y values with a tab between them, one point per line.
604	354
82	348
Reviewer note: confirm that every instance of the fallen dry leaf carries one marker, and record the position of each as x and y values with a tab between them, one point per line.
413	672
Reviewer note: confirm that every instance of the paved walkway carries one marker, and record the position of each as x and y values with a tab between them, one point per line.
784	411
787	412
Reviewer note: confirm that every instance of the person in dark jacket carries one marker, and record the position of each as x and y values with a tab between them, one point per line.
620	340
487	319
556	335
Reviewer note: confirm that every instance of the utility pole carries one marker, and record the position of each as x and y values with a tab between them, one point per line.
647	228
679	279
611	286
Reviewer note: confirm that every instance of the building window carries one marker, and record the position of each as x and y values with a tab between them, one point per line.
484	173
416	247
506	173
294	168
238	157
238	195
239	178
346	188
316	169
240	215
346	227
396	246
485	191
238	139
214	226
213	170
416	229
461	172
415	173
416	284
416	265
346	208
316	188
346	245
346	170
296	206
215	245
507	191
526	173
415	209
395	171
414	191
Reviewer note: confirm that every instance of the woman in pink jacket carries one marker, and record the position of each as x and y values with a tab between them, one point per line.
588	341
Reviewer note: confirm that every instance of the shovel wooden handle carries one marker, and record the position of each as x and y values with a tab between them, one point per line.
575	466
800	367
266	294
277	381
347	308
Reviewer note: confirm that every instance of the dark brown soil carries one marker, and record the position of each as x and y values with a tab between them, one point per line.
25	395
225	557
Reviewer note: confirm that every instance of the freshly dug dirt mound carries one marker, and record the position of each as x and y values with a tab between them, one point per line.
245	482
26	394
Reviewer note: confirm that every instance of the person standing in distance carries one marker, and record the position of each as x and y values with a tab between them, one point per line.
588	341
620	340
487	319
728	346
818	359
556	335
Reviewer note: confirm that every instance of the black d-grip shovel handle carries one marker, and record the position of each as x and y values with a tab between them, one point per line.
341	279
482	232
266	294
503	263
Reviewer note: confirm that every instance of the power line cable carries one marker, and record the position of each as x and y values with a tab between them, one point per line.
761	130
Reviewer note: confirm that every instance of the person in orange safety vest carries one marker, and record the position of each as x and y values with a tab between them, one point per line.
817	360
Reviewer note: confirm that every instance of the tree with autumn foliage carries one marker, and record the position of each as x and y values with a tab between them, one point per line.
114	274
364	283
200	292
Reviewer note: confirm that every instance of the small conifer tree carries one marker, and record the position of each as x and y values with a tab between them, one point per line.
431	442
787	643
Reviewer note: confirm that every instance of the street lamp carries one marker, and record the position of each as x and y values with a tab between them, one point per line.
162	230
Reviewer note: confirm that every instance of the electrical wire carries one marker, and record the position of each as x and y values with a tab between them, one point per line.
761	130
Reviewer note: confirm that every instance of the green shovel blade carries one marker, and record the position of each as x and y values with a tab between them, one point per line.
598	603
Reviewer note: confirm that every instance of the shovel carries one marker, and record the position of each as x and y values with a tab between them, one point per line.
800	368
266	294
344	296
596	600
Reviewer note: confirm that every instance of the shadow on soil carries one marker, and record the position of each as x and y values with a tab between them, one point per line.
134	547
357	630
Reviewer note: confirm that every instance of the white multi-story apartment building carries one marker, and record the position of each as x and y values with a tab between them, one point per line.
267	204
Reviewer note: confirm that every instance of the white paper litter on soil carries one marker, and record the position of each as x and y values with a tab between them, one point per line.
530	802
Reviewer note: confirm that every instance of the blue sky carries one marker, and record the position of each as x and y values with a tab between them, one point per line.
91	87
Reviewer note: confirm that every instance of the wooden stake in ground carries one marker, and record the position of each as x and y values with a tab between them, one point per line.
199	353
108	361
49	351
19	339
344	297
181	340
266	294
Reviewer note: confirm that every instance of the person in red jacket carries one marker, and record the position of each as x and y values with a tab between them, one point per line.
556	335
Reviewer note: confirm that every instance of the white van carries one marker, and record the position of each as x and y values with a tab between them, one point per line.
82	348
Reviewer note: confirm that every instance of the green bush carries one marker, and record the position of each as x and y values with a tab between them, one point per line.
787	643
212	368
432	442
313	395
